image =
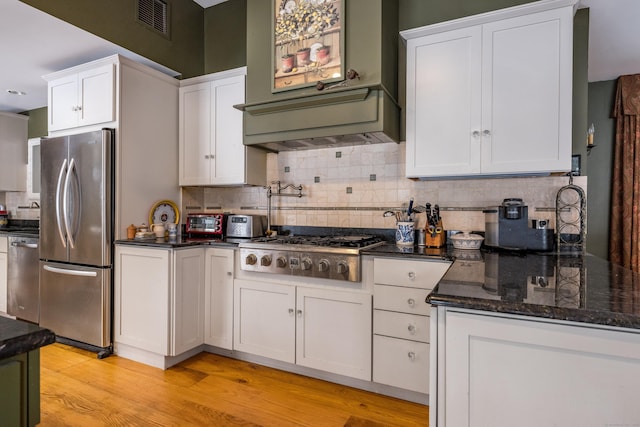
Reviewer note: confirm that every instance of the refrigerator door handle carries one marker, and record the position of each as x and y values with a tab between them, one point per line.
65	204
70	272
58	207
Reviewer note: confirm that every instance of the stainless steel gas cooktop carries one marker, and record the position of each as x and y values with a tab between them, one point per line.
330	257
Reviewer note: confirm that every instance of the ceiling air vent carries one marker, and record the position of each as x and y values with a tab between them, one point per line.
154	14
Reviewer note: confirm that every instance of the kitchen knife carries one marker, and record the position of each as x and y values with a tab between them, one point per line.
409	209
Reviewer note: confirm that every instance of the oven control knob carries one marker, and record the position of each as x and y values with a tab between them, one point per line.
323	265
342	267
306	264
251	259
281	262
265	260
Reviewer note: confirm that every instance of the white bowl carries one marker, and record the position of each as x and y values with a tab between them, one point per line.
465	240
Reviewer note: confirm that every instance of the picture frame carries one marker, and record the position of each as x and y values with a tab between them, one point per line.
308	43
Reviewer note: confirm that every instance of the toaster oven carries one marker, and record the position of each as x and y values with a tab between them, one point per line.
210	224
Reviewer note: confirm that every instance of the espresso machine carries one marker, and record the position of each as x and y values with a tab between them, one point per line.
508	227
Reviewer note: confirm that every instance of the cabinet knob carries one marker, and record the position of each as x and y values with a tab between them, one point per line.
475	133
291	310
486	132
229	273
299	312
411	355
412	275
411	302
206	156
412	329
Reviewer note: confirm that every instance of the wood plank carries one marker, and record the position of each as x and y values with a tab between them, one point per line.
207	389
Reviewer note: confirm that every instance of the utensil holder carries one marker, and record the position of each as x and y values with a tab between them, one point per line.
436	240
405	233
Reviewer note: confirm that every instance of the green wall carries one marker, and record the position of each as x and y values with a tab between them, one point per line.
600	161
115	20
37	123
225	36
417	13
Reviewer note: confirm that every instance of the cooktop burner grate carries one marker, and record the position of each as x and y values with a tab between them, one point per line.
328	241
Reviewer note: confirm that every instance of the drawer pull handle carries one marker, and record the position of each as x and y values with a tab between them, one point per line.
412	275
411	302
412	329
412	356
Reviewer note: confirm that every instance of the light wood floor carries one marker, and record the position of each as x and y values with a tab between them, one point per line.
207	390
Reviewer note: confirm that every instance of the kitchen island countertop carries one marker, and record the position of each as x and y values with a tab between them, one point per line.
17	337
576	288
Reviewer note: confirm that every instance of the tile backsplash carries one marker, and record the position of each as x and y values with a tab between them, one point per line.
20	205
353	186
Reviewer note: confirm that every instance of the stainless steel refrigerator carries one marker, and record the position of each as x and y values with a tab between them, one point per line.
76	236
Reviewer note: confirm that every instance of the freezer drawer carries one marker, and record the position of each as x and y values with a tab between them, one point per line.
76	302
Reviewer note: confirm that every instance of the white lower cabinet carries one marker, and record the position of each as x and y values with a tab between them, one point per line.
3	274
159	299
401	334
324	329
218	298
502	370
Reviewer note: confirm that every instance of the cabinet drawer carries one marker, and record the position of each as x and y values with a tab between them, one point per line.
400	325
405	300
3	244
414	274
401	363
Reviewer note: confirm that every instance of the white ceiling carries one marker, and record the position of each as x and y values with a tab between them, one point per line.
35	43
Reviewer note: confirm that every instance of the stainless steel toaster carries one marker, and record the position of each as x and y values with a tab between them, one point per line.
246	226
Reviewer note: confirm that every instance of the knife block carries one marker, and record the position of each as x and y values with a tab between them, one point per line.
437	241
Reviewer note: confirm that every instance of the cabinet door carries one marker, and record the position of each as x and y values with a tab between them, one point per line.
13	146
188	300
96	89
228	166
63	102
527	93
218	313
142	298
514	367
195	134
443	104
333	331
264	319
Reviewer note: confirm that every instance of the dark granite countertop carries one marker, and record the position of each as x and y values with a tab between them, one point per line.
415	252
570	287
178	242
17	337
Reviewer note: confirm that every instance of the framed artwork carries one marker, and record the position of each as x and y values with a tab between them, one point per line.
308	42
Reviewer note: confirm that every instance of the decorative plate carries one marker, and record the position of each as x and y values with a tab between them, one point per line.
164	211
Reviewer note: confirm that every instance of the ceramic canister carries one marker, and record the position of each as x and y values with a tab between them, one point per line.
405	233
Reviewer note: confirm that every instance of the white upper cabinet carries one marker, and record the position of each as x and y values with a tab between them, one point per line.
211	133
81	98
491	94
